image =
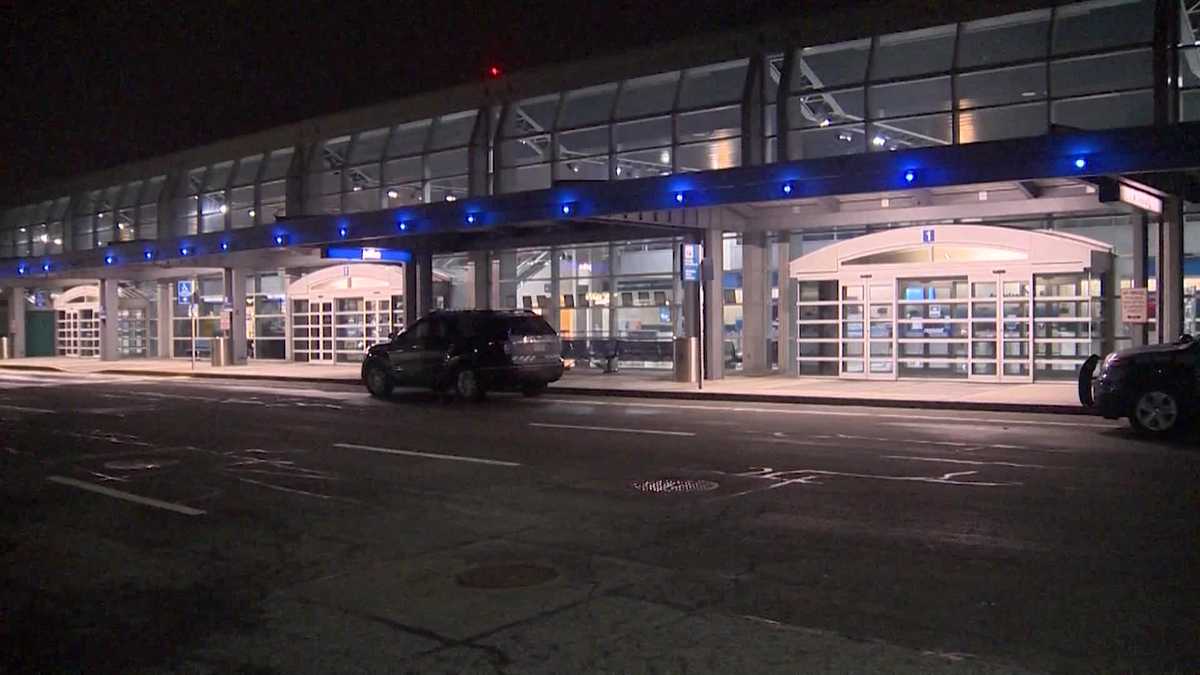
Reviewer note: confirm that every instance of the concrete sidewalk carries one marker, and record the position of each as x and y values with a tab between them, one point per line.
1059	398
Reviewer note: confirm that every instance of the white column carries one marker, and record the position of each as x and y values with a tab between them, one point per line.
787	306
481	263
1170	271
165	325
109	305
714	305
550	312
16	322
756	303
235	296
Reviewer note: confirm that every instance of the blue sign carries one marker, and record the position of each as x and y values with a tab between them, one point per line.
368	254
927	236
689	269
183	290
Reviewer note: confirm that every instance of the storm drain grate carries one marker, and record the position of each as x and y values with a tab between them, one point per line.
674	485
515	575
139	464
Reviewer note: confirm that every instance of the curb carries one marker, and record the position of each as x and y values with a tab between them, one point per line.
230	376
41	369
977	406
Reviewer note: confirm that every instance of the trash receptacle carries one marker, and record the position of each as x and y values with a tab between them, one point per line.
687	359
220	352
4	347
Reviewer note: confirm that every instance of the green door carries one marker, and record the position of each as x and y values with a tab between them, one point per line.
39	333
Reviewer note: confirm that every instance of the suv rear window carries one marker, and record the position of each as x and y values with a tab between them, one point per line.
527	325
501	326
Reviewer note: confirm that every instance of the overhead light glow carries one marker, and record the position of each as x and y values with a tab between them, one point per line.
108	260
45	267
787	188
22	270
280	239
58	241
44	238
357	188
149	255
825	122
99	215
679	197
224	246
664	156
392	194
910	176
451	198
343	231
567	209
471	218
879	141
250	213
224	209
184	251
1080	163
403	226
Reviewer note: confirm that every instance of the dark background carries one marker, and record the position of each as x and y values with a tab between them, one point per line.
91	85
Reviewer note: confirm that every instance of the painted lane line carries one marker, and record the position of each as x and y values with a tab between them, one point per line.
972	462
618	430
21	408
832	413
280	488
427	455
127	496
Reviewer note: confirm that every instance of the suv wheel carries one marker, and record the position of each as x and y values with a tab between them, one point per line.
468	386
1155	413
378	382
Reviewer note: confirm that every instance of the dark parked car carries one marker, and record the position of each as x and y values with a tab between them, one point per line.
468	353
1157	386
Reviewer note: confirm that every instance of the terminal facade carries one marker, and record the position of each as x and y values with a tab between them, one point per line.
954	199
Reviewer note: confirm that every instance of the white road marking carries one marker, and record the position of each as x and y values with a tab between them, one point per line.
914	441
618	430
280	488
427	455
127	496
21	408
972	462
833	413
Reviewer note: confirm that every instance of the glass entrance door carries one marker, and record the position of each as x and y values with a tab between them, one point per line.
322	325
868	323
1001	321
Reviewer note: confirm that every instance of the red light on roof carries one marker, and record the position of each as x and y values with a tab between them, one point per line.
494	71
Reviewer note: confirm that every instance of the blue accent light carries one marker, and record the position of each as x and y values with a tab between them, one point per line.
45	267
22	270
471	219
910	176
567	209
679	197
108	260
788	187
403	226
343	231
281	240
184	251
149	255
1080	162
224	246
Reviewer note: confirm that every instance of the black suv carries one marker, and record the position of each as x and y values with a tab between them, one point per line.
1157	386
468	353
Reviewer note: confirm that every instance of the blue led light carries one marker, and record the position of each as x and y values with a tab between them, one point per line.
910	176
403	226
149	255
787	188
1080	163
224	246
108	260
280	239
471	218
343	231
567	209
679	197
45	267
184	251
22	270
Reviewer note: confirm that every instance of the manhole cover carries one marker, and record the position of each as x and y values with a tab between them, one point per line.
138	464
517	575
674	485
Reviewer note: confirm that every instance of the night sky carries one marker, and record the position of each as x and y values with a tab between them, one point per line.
91	85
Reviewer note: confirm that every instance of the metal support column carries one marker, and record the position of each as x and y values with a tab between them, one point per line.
1140	224
1170	271
410	292
787	307
109	306
424	262
551	312
714	305
235	296
481	263
165	302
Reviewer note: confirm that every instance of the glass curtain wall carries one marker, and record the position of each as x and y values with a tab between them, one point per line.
201	320
266	320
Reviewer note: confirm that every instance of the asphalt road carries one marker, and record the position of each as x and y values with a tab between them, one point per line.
159	526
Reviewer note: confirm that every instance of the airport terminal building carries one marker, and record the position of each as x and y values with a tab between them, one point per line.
946	193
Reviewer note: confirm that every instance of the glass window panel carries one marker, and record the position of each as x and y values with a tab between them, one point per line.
410	193
453	130
1086	26
1006	85
1189	106
994	124
402	170
710	124
247	170
129	196
441	187
363	177
644	133
148	221
908	98
913	132
361	200
643	163
583	142
218	175
648	95
830	142
917	52
1099	74
709	85
831	65
708	156
1004	39
591	168
530	116
409	139
448	163
1189	67
1132	109
587	106
812	110
368	146
278	164
533	177
332	155
525	151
